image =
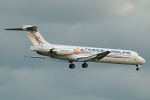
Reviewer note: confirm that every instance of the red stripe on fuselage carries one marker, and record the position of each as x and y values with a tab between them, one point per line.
117	57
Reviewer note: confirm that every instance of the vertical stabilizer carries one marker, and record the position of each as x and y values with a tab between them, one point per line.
34	35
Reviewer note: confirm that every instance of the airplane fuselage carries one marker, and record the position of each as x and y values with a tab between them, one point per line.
72	53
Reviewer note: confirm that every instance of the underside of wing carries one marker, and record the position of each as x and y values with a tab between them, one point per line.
95	56
46	58
35	57
102	55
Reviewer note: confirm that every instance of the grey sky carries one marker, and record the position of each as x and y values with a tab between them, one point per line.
120	24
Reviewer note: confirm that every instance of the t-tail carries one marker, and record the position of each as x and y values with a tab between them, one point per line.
33	33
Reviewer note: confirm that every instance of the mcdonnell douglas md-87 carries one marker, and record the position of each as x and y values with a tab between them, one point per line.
78	53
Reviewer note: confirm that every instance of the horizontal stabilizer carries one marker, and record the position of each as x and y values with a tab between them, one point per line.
25	28
15	29
30	28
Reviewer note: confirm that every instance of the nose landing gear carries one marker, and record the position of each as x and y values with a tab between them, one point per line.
137	69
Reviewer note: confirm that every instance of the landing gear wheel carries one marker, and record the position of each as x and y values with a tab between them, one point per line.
137	69
84	65
72	66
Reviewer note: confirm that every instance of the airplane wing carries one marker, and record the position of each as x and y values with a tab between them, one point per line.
35	57
102	55
46	58
96	56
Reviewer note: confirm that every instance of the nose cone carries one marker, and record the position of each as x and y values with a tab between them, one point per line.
142	61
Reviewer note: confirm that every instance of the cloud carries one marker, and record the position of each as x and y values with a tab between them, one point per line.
48	83
66	11
99	23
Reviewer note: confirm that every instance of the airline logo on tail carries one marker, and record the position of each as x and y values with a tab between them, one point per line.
34	36
38	39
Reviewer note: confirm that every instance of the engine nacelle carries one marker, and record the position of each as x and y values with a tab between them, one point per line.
61	52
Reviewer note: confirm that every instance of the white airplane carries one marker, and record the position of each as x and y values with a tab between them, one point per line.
78	53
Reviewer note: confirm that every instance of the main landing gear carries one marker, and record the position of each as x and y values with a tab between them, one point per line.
84	65
72	66
137	69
